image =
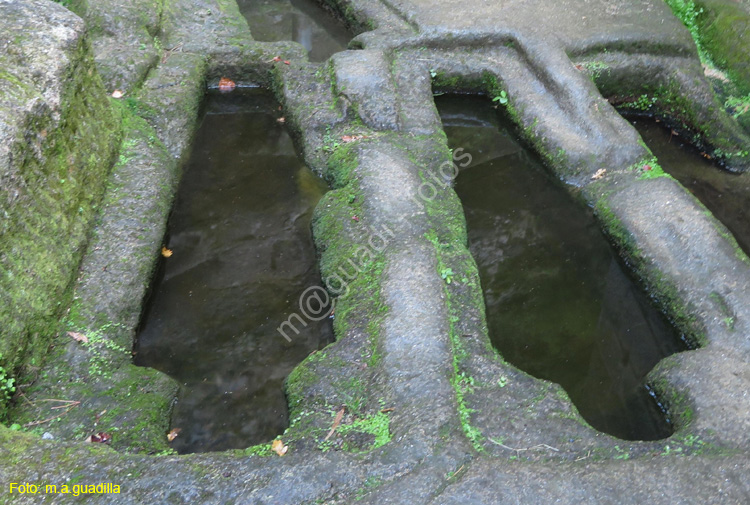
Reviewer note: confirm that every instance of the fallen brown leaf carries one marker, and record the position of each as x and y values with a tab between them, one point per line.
336	423
599	173
100	438
173	433
80	337
117	94
166	252
351	138
279	447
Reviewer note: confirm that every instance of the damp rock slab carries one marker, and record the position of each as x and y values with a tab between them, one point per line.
58	135
124	37
363	77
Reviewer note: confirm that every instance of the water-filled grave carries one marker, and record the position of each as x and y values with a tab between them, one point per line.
559	304
241	253
303	21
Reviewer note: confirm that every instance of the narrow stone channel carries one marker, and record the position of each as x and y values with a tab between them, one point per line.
726	194
241	253
559	305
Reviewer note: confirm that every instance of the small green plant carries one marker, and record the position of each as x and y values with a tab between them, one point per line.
447	275
621	454
692	441
263	450
644	103
737	106
502	98
7	388
668	450
502	381
596	68
167	452
99	345
330	143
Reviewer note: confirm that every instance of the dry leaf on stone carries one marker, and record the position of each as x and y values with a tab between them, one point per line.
100	438
599	174
80	337
351	138
336	423
279	447
117	94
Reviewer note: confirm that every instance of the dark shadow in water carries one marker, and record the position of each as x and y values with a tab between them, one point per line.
726	195
303	21
559	305
242	254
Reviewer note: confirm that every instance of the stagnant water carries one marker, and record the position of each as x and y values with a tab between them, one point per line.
559	305
242	254
303	21
726	195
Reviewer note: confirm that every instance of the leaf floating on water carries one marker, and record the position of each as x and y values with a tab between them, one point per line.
336	423
173	433
279	447
80	337
226	85
167	253
281	120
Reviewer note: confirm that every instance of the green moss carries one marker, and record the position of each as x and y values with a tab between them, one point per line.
377	425
461	382
720	30
142	421
342	161
649	169
262	450
688	13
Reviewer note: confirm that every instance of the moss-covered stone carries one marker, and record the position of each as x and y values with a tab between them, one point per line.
60	134
723	27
